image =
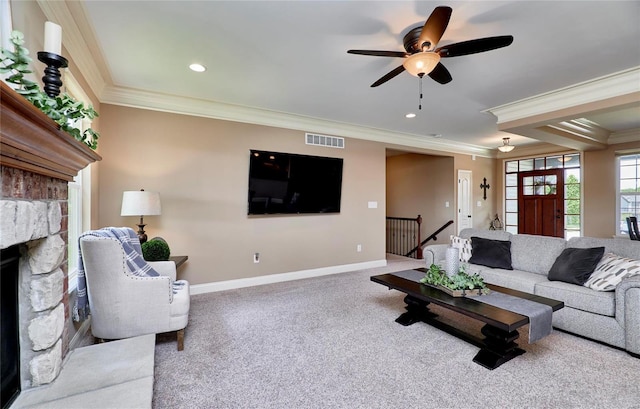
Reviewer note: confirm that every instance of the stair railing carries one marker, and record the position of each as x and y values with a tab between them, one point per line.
403	234
433	236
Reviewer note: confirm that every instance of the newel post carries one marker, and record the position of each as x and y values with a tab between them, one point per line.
419	251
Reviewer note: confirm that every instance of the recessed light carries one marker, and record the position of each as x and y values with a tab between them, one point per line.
197	67
410	115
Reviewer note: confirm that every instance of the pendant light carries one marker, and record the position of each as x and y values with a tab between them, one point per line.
505	146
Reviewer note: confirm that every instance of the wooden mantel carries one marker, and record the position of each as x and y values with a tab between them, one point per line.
31	141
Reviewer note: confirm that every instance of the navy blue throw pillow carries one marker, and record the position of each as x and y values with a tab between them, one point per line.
491	253
575	265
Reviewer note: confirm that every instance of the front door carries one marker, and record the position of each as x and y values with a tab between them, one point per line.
541	202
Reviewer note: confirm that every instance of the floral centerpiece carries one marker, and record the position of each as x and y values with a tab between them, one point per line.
457	285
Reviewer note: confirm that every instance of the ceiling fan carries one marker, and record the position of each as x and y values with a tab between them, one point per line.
422	57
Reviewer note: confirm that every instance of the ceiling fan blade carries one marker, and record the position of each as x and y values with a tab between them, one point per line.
376	53
388	76
440	74
434	27
478	45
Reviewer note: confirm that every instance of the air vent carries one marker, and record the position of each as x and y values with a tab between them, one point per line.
324	140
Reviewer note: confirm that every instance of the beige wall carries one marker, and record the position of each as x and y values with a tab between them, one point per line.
27	18
200	167
423	183
420	185
480	168
600	181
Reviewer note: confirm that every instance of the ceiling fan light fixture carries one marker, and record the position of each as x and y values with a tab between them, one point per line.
421	63
505	146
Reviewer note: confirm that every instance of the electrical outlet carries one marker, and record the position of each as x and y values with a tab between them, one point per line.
256	258
359	248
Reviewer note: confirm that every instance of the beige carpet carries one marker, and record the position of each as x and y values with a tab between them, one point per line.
331	342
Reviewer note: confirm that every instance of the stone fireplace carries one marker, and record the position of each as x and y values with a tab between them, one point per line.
37	160
32	218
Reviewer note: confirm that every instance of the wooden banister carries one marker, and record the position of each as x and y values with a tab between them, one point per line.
433	236
403	233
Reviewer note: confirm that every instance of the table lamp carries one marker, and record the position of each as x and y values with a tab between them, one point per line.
140	203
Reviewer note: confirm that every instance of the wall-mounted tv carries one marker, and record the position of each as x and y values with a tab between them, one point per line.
286	183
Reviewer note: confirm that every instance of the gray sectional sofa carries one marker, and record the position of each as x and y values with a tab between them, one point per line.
611	317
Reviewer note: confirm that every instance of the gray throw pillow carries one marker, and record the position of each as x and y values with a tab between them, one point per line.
491	253
575	265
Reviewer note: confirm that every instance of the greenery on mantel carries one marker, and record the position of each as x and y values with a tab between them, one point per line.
436	276
63	109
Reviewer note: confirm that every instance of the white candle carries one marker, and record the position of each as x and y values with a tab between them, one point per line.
52	38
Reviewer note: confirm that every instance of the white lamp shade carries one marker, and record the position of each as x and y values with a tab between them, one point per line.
421	63
140	203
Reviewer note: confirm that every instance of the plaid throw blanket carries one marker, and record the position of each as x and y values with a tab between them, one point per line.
136	264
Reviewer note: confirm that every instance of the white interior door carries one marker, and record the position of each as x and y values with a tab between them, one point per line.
465	208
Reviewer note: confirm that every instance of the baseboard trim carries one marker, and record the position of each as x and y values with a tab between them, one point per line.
282	277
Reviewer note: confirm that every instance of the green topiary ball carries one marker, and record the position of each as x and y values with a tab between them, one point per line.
156	250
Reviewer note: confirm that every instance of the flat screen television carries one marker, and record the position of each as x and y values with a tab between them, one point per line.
286	183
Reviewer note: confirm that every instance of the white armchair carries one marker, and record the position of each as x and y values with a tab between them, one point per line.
124	305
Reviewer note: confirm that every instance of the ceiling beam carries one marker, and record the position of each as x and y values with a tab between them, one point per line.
572	99
562	137
558	117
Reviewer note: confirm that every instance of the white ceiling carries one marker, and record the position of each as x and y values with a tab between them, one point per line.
290	57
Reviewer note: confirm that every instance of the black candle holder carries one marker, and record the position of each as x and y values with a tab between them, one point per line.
51	79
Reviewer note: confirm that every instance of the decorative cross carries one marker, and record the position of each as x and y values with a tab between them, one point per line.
485	186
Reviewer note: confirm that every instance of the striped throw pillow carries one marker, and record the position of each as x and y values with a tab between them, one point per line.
464	247
610	271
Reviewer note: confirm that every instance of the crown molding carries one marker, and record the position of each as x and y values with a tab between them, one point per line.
79	41
237	113
609	86
631	135
75	43
71	17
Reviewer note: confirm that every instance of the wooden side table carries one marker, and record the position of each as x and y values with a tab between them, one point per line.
179	260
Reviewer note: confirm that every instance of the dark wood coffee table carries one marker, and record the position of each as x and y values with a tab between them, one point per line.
500	330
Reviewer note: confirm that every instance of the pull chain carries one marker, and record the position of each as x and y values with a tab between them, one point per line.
420	98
